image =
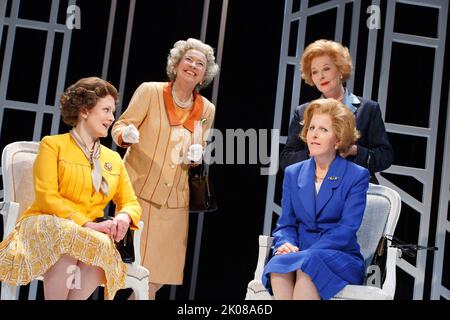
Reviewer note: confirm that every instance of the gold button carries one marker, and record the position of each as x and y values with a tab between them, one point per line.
168	184
172	166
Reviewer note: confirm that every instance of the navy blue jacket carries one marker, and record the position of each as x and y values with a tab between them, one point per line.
374	150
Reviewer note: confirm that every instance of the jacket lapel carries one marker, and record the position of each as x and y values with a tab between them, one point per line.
354	102
331	181
307	188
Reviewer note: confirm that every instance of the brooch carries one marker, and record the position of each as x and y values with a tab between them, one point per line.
108	166
333	178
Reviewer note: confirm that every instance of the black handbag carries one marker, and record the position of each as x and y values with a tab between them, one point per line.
124	246
201	193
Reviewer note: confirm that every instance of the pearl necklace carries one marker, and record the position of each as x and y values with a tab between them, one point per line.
181	104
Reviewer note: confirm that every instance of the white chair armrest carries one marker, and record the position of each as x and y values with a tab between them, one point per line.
137	244
391	262
265	244
10	212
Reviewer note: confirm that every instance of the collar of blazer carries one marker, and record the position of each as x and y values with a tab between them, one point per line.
351	101
196	112
332	180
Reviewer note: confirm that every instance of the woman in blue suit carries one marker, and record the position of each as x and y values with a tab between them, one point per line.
315	249
326	65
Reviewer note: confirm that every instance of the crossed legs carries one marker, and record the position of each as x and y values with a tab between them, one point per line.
295	285
70	279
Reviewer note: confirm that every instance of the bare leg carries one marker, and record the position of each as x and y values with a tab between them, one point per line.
58	279
304	288
90	278
282	285
152	289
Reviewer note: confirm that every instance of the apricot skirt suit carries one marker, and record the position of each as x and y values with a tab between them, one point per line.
159	173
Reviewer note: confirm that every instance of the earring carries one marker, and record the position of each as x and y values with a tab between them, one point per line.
341	77
336	147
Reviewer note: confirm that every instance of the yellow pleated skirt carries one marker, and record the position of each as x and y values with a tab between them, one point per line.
38	242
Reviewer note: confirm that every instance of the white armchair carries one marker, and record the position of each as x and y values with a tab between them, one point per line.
17	170
380	218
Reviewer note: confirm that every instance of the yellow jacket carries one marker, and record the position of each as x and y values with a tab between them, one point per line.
63	183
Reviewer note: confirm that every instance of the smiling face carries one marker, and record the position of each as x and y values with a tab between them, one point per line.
191	68
98	119
326	76
321	137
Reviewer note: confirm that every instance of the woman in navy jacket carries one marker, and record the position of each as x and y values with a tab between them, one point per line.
326	65
316	253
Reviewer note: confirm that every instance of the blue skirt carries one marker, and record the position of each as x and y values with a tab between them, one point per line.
330	270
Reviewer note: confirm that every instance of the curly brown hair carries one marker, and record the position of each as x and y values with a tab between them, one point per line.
342	119
83	95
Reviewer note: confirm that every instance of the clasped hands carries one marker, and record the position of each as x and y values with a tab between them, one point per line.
286	248
116	227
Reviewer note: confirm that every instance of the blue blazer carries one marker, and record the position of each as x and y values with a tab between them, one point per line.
374	150
330	220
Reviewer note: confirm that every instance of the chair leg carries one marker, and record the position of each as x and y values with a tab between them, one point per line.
9	292
140	288
32	292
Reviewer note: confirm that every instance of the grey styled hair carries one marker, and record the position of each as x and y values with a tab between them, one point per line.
179	50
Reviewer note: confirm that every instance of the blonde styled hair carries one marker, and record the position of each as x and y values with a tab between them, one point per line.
179	50
342	119
337	53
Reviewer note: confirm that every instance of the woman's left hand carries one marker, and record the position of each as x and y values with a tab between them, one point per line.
119	228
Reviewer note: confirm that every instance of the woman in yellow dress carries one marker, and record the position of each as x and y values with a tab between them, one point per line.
75	177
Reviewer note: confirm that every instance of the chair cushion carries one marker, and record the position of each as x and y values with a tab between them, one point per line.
22	170
373	225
